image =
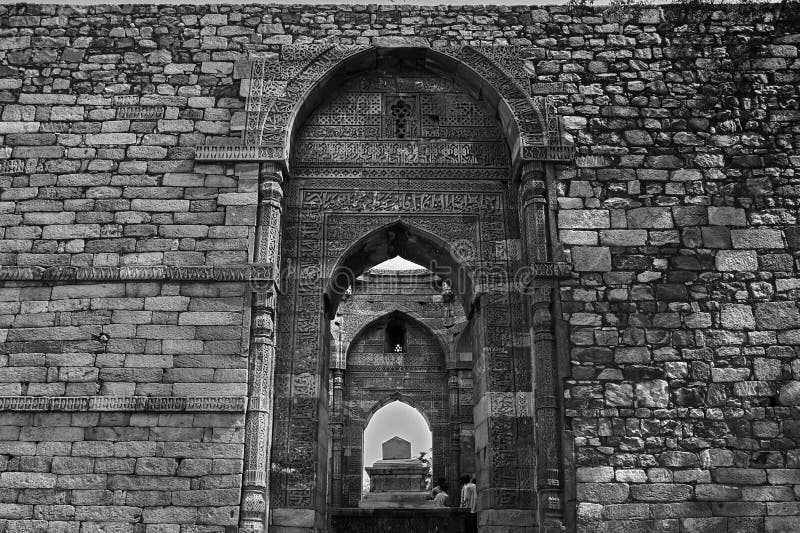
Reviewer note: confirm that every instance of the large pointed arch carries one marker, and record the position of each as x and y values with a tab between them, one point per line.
281	93
408	241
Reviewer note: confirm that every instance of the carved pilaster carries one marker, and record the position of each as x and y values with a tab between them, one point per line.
258	424
455	426
535	218
337	434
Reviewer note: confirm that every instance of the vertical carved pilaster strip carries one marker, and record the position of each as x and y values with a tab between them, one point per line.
258	424
537	247
452	470
337	421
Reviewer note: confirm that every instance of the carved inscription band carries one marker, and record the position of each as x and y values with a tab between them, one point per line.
369	201
202	404
254	272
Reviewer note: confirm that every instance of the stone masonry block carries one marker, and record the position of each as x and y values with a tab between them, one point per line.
591	258
595	474
757	238
619	395
623	237
777	315
726	216
583	219
739	476
790	393
110	138
737	317
603	492
650	217
661	492
654	393
737	261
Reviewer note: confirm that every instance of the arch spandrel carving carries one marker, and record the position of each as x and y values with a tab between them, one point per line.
284	90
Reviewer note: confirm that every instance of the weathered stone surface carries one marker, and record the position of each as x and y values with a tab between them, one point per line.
591	258
583	219
650	217
737	261
790	393
777	315
603	492
737	316
619	395
654	393
679	215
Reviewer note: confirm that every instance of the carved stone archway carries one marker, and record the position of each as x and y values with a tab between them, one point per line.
517	401
417	377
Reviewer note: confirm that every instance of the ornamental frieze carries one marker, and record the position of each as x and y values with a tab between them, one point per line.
435	202
235	404
254	272
386	153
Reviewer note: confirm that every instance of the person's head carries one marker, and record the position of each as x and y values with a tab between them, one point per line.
464	479
474	481
443	486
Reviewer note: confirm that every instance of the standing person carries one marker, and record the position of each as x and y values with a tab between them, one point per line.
442	499
469	500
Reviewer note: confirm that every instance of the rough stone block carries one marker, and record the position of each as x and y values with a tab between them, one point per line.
110	138
737	317
623	237
650	217
737	261
726	216
595	474
619	395
740	476
777	315
790	393
757	238
583	219
654	393
661	492
591	258
603	492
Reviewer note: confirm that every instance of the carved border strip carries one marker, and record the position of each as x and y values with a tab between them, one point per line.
253	272
200	404
551	269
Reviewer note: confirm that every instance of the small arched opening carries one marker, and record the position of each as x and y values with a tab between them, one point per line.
395	335
386	427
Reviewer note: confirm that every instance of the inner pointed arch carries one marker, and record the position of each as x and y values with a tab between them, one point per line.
406	315
402	239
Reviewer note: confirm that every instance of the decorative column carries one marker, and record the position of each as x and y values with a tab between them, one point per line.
258	425
538	254
337	432
454	468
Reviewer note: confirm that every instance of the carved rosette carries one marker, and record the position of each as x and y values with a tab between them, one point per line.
258	424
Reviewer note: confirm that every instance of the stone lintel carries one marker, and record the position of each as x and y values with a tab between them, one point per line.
293	518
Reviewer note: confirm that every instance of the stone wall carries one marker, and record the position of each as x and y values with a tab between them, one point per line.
679	214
